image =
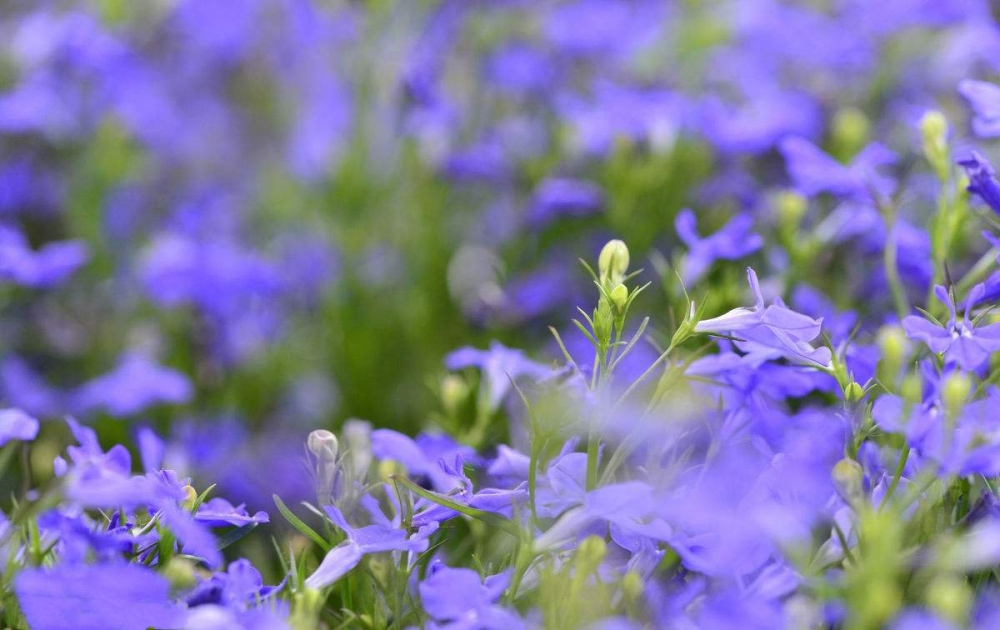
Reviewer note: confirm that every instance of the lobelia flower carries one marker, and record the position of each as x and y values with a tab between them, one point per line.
968	444
135	384
96	597
814	172
499	365
555	197
383	535
218	512
960	341
733	241
982	180
17	425
236	598
499	501
770	332
49	266
458	599
984	98
421	456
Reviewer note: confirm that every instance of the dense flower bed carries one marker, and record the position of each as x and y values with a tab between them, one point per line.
491	315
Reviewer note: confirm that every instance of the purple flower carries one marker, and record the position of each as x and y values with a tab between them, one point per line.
770	332
985	101
960	341
421	456
94	478
556	197
982	180
383	535
239	588
814	172
219	512
499	365
47	267
17	425
136	384
519	69
96	597
458	599
733	241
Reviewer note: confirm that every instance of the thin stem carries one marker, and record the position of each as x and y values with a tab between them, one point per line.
903	456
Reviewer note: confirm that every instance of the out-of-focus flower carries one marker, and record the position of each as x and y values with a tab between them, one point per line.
460	599
557	197
17	425
982	180
49	266
96	597
499	365
984	98
136	384
813	171
732	242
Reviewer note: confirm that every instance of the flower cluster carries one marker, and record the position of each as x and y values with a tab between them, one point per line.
766	399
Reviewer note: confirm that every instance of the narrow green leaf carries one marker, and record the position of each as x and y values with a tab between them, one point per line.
494	520
235	535
298	524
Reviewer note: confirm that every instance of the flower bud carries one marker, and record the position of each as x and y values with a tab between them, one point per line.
179	572
911	389
950	597
632	587
850	130
892	347
612	264
790	207
619	296
357	436
848	479
590	554
190	496
389	467
854	392
955	391
934	133
454	391
323	445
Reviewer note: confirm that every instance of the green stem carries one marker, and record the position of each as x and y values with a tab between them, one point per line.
900	465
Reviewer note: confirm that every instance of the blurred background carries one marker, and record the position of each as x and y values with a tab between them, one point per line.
236	221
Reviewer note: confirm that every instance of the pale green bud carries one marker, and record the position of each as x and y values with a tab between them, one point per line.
950	597
850	129
912	388
590	553
791	207
632	587
190	496
854	392
619	296
892	346
934	132
612	264
389	467
179	572
454	391
848	479
955	392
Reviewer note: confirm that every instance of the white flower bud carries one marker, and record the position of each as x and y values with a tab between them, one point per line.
613	261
